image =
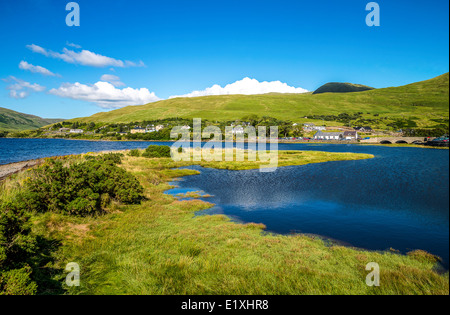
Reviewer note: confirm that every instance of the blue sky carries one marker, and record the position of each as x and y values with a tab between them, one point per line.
175	47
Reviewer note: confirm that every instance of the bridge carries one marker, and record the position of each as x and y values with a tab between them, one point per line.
398	140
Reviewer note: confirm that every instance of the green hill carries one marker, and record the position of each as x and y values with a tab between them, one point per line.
425	101
336	87
14	121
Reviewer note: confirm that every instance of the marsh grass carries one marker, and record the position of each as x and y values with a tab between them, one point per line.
162	247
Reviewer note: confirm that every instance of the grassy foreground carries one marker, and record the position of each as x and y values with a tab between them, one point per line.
161	247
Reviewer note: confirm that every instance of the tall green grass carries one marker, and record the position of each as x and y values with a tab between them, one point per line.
162	247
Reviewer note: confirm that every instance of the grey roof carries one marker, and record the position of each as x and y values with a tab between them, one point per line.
361	128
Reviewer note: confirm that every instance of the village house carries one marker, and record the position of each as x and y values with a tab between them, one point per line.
336	136
239	130
150	128
64	129
308	127
76	131
363	129
351	135
138	130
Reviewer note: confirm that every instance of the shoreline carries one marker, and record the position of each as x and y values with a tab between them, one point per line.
393	145
6	170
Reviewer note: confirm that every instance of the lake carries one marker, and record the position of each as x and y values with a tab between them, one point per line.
399	199
17	150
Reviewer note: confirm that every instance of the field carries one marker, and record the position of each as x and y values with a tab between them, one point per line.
161	247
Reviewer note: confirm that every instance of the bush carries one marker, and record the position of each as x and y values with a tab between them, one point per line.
17	246
80	189
135	153
157	151
17	282
116	158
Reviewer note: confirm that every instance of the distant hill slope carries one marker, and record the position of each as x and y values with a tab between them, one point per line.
336	87
14	121
422	99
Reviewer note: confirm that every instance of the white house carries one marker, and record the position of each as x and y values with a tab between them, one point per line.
337	136
351	135
312	127
239	130
77	131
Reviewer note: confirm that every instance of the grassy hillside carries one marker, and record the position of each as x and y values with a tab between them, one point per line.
336	87
14	121
425	100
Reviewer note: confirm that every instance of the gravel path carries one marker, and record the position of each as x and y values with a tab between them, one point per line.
13	168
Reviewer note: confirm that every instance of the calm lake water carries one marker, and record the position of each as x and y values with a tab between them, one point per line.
398	200
17	150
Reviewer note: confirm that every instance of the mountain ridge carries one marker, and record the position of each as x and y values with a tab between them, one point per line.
339	87
11	120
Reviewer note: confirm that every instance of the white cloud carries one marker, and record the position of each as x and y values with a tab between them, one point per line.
36	69
105	95
113	79
246	86
85	58
73	45
38	49
21	89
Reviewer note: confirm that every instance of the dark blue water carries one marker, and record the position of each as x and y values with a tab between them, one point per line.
399	199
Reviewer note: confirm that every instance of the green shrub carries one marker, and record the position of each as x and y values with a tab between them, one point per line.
81	189
157	151
17	282
135	153
116	158
16	243
17	246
